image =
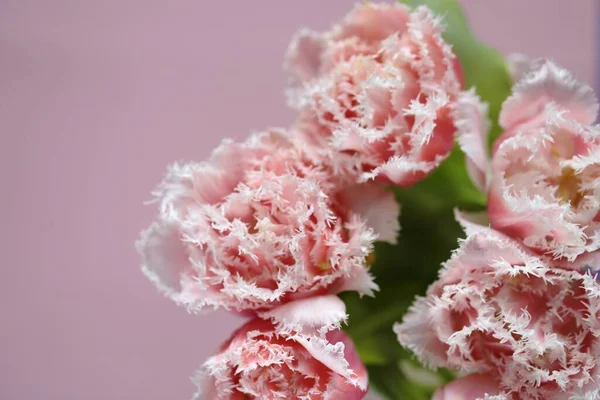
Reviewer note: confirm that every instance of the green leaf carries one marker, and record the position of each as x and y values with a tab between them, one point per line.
392	382
447	187
402	272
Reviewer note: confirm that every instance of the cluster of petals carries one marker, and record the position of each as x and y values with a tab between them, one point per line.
274	226
517	307
257	226
499	308
543	181
295	351
377	93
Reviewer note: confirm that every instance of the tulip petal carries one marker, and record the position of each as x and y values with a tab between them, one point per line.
377	206
472	222
164	257
470	387
471	119
548	83
312	315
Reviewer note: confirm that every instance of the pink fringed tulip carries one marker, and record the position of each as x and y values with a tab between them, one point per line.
545	182
545	187
257	226
376	93
498	308
470	387
296	352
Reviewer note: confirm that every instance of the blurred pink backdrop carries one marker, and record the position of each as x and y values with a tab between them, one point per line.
97	97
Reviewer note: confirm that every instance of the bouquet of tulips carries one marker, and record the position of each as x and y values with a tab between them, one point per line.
429	225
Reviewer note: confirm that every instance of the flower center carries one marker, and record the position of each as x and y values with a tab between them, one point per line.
568	187
371	259
324	266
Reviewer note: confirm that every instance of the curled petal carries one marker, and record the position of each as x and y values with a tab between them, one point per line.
360	281
303	63
417	333
308	316
377	206
548	83
359	377
315	322
303	58
471	119
260	361
372	22
165	258
332	354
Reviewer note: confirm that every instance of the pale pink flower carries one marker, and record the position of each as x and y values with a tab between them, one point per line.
257	226
544	181
376	93
499	309
470	387
296	351
545	187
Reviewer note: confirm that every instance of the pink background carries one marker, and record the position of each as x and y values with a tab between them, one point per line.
97	97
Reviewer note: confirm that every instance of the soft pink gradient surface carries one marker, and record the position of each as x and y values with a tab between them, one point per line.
97	97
